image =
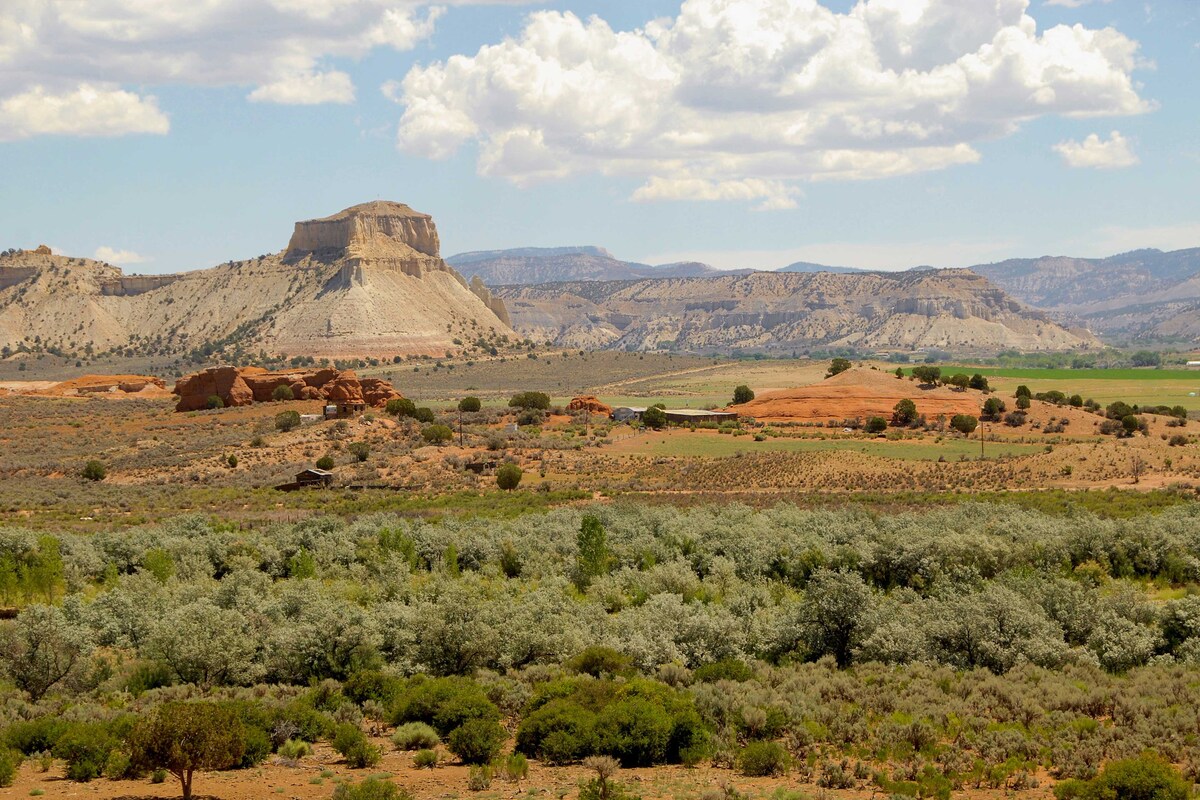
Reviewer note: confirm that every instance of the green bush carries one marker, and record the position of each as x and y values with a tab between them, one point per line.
85	747
355	747
326	463
444	703
508	477
477	741
415	736
360	450
729	669
530	400
876	425
425	759
964	423
94	471
437	434
635	731
294	749
401	407
760	759
214	403
469	405
599	661
287	420
559	732
1147	777
10	761
370	789
282	393
39	735
516	767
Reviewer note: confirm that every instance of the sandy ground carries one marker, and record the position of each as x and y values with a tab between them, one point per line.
316	776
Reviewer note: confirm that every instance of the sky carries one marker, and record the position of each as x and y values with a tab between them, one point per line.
166	135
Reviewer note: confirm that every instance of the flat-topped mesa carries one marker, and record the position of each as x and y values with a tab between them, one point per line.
379	234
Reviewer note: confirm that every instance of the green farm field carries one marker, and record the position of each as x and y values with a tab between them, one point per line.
710	444
1135	386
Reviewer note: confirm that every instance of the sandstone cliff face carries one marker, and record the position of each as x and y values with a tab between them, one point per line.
950	309
380	234
365	282
248	385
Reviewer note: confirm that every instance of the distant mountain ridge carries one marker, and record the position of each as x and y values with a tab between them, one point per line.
775	311
524	266
1143	294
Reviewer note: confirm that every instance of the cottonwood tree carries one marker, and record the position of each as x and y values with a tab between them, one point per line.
43	648
185	737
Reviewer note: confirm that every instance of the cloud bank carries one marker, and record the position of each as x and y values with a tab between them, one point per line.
749	99
76	67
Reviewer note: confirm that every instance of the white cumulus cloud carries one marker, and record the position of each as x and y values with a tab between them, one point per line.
1096	153
88	110
746	99
112	255
283	51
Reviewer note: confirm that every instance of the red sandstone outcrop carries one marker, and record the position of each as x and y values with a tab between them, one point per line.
43	250
224	382
589	404
244	386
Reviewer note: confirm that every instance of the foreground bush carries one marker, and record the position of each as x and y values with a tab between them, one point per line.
415	736
371	789
10	760
1147	777
355	747
760	759
477	741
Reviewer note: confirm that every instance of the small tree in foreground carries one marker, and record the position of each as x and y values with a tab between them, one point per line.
184	737
1146	777
742	394
508	477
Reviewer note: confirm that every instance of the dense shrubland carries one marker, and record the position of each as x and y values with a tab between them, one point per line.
962	646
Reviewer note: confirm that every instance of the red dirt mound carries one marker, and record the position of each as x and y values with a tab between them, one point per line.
109	386
858	393
590	404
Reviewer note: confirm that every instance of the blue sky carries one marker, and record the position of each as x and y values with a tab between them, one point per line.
740	132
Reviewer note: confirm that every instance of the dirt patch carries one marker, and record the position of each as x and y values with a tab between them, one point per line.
859	393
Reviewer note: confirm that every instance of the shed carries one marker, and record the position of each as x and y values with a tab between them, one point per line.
344	410
688	415
314	477
626	413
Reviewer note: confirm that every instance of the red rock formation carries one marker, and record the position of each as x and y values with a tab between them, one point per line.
377	392
223	382
239	387
589	404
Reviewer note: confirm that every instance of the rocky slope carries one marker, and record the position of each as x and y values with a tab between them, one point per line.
244	386
534	265
366	281
951	309
1144	294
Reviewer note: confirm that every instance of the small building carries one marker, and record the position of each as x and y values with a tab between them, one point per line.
685	416
314	477
627	413
344	410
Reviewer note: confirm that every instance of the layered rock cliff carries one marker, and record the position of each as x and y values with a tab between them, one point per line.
368	281
950	309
